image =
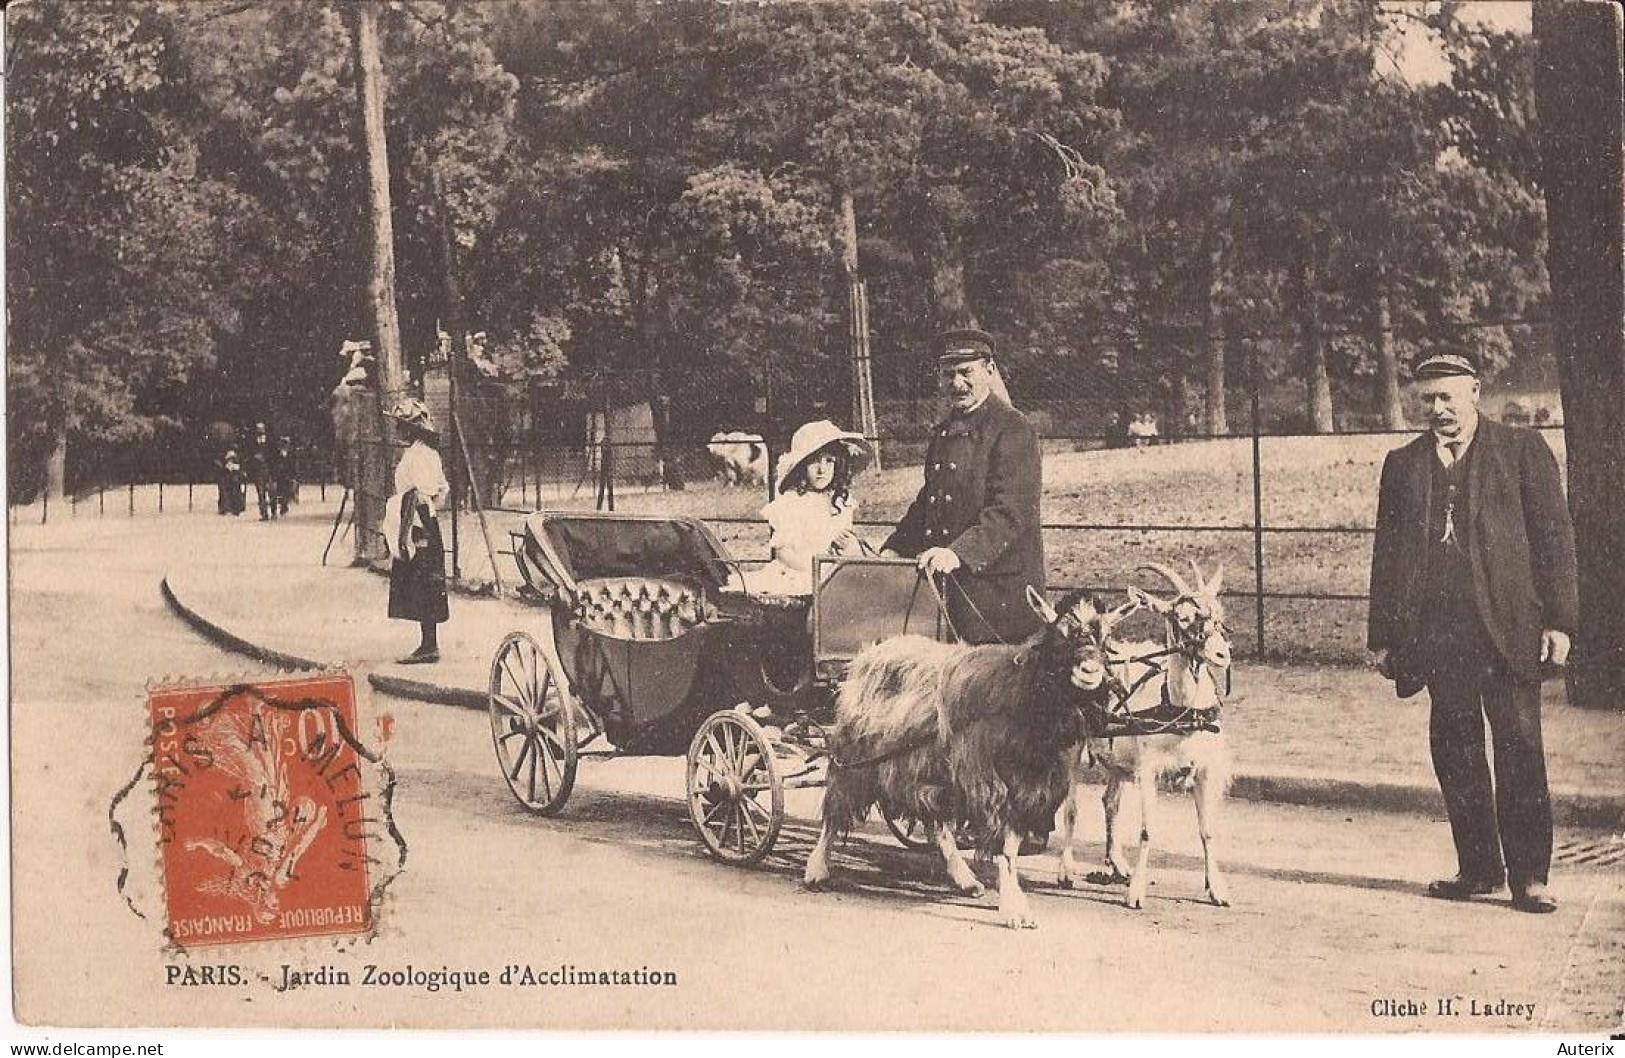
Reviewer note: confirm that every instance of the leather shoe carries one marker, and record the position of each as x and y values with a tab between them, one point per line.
1463	887
420	657
1534	899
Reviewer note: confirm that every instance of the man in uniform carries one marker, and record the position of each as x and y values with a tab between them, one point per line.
975	523
1473	590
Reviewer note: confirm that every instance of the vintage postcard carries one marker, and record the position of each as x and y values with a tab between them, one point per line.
934	515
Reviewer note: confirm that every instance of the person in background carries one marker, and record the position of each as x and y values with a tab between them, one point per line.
284	482
259	472
411	526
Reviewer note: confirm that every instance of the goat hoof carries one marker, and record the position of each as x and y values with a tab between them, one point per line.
1064	881
1218	899
973	889
814	885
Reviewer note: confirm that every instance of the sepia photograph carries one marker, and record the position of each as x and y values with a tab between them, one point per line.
933	516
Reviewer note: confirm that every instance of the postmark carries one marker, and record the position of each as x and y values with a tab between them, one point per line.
266	813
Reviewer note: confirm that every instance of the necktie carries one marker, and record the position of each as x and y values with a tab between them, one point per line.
1452	453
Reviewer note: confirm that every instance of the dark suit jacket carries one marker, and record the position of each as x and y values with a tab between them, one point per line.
1521	540
983	477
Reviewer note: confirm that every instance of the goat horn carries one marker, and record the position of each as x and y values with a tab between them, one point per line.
1169	575
1218	579
1196	572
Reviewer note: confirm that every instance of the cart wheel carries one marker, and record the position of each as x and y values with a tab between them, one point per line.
735	791
911	834
533	724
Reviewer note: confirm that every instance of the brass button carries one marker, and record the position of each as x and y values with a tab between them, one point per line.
953	466
946	498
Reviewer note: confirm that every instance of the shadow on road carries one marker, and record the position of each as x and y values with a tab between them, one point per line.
867	864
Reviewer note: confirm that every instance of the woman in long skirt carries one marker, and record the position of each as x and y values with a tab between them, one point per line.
417	571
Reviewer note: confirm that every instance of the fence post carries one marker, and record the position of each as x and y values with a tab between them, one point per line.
189	496
101	499
132	499
45	505
1258	492
160	497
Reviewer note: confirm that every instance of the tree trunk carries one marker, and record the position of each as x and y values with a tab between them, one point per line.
1316	378
857	329
945	275
1382	340
1577	97
56	465
376	467
1213	336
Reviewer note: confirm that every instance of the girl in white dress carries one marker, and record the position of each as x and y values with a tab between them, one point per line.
417	571
813	514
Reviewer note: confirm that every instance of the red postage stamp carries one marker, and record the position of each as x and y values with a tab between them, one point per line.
263	810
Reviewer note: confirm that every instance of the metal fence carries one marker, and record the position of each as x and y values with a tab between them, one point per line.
1286	511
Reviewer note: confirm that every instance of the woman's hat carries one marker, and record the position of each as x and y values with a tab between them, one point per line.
412	412
814	437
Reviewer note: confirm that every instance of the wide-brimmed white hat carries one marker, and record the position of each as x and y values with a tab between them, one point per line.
814	437
413	412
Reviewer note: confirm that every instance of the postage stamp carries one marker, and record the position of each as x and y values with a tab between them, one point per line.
263	810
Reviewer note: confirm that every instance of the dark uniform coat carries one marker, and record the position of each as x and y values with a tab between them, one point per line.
1521	549
981	500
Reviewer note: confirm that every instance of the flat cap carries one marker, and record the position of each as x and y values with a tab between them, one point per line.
1446	365
963	345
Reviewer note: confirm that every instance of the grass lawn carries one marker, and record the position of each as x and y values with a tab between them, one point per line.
1327	484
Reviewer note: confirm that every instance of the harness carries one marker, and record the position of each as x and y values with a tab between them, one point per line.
1113	719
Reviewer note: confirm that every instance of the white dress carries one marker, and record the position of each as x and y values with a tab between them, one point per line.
804	524
420	468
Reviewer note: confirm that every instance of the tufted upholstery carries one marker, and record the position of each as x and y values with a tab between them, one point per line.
638	608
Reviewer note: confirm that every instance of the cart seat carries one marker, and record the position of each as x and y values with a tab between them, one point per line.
640	609
562	549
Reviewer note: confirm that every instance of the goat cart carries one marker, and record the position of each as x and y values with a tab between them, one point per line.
653	649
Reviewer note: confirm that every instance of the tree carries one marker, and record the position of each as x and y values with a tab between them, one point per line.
117	234
1578	78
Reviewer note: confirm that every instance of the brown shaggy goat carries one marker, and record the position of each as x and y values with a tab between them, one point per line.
985	736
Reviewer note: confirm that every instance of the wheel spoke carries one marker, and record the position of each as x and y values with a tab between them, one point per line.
511	733
519	761
714	809
751	802
549	736
755	831
547	757
533	757
701	762
519	684
717	754
739	829
510	705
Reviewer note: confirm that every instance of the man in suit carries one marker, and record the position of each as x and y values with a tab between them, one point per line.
975	522
1473	591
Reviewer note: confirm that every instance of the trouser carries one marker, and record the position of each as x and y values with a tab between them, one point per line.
1507	824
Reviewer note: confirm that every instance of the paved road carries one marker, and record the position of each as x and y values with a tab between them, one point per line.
1328	917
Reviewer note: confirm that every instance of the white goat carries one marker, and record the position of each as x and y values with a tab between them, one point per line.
742	457
1181	695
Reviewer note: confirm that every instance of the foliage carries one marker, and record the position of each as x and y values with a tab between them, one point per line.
638	185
